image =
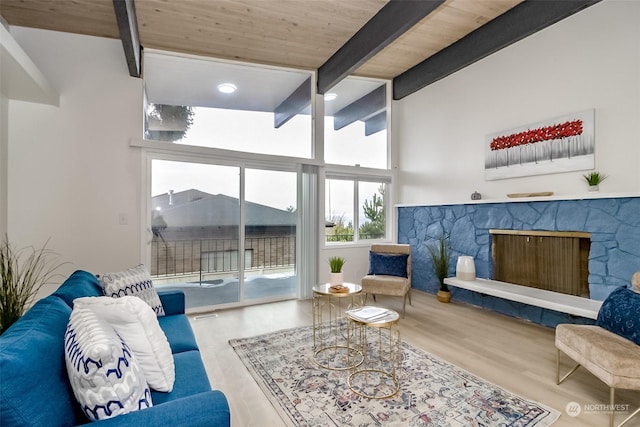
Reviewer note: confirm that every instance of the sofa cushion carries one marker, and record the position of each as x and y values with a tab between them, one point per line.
388	264
178	331
173	301
79	284
135	281
137	324
104	374
207	409
191	378
620	314
34	389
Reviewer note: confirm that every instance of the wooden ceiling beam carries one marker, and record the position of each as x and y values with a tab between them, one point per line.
364	108
128	25
523	20
388	24
295	104
375	123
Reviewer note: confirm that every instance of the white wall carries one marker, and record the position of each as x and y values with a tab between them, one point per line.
71	170
4	164
589	60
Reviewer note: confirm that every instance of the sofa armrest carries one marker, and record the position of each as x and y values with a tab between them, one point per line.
208	409
173	302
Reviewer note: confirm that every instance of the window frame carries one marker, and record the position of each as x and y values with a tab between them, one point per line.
321	114
223	70
357	175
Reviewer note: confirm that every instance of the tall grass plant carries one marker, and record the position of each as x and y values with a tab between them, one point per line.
24	272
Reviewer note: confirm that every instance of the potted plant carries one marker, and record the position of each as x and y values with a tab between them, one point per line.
336	263
440	257
23	272
594	179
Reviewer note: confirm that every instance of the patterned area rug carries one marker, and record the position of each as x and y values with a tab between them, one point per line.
432	391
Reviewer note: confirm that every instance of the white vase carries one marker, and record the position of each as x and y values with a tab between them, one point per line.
466	268
336	278
594	188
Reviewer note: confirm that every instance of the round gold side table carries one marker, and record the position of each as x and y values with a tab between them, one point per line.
330	333
377	376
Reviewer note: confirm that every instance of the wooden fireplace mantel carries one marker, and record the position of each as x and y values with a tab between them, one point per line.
541	233
574	305
493	199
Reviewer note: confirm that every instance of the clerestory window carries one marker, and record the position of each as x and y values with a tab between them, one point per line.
206	103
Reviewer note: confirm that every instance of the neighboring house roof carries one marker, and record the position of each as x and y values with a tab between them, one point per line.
195	208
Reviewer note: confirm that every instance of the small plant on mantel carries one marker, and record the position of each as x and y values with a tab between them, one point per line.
594	179
440	253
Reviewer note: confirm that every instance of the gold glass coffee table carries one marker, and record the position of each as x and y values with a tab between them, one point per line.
330	332
377	336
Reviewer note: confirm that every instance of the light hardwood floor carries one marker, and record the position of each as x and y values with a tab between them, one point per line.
514	354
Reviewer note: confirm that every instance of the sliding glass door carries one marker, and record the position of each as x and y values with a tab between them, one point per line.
270	234
223	234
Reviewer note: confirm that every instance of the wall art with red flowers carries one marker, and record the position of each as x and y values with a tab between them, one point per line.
562	144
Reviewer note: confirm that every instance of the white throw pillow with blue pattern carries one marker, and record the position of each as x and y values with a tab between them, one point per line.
103	371
135	281
136	323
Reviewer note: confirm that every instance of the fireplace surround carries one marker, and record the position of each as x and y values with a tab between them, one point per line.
612	222
556	261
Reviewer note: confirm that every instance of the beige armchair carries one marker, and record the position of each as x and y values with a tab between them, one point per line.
389	272
610	357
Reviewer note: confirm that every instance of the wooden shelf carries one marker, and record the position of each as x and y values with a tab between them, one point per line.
563	303
542	233
556	197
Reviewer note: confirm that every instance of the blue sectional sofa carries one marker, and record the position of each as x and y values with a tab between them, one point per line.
35	390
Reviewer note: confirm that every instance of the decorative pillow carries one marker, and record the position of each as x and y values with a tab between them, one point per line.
103	371
134	281
388	264
620	314
136	323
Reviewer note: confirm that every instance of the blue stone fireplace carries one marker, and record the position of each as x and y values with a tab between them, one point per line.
614	224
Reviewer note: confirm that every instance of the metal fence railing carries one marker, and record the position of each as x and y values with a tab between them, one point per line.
188	257
349	237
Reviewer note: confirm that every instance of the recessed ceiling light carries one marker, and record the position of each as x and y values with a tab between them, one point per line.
330	96
227	88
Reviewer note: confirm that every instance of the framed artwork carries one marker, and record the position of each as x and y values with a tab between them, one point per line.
561	144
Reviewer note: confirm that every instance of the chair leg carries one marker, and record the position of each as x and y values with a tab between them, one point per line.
409	293
636	412
404	305
558	379
557	367
612	393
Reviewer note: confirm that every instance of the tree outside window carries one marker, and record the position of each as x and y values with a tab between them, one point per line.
374	212
340	218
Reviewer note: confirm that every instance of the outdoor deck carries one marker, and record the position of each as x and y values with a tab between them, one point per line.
227	291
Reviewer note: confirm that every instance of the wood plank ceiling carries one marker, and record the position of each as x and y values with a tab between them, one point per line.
292	33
